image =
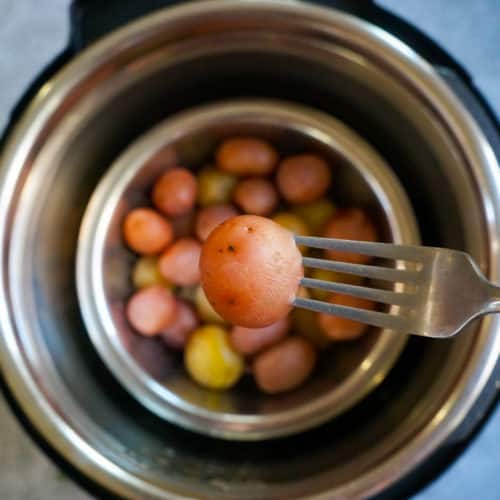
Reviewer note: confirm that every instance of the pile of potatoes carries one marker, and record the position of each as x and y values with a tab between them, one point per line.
247	177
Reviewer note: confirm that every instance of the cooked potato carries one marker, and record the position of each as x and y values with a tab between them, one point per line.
210	217
315	214
215	187
250	271
210	360
186	321
256	196
284	366
303	178
205	310
249	341
179	264
151	310
174	193
246	156
146	231
337	328
146	273
350	224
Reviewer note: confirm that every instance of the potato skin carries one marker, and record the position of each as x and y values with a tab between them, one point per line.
303	178
248	341
350	224
284	366
250	271
151	309
256	196
179	263
337	328
186	321
209	218
246	156
174	193
146	232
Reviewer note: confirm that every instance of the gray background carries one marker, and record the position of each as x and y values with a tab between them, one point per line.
32	32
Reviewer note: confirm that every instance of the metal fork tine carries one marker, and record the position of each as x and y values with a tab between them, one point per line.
377	295
366	271
374	318
382	250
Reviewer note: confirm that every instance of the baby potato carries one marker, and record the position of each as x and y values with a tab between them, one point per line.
205	310
174	193
210	360
315	214
246	156
350	224
256	196
337	328
303	178
146	273
146	232
248	341
186	321
215	187
284	366
210	217
332	276
151	310
250	271
294	224
179	263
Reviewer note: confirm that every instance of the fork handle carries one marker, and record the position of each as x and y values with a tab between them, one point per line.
493	301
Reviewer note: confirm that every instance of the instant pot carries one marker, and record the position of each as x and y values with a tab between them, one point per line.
352	60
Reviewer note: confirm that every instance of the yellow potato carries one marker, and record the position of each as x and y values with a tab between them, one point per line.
210	360
145	273
315	214
295	224
205	310
215	187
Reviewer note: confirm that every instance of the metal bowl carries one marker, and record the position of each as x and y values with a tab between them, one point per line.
155	375
202	52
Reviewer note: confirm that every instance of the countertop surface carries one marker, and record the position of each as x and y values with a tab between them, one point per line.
30	36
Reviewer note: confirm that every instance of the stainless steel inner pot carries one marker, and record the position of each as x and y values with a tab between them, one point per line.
196	53
154	374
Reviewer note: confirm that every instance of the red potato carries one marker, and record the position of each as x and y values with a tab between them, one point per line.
256	196
248	341
151	310
303	178
284	366
186	321
210	217
174	193
179	264
146	231
246	156
250	271
350	224
337	328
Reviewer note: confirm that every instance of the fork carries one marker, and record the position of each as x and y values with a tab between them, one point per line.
436	291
